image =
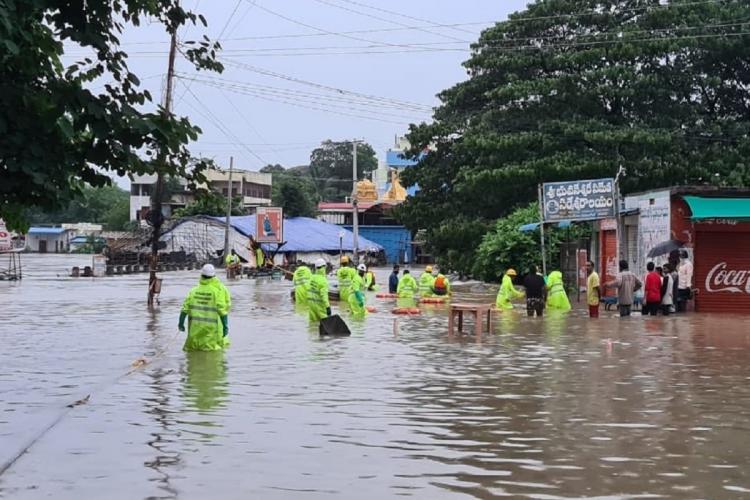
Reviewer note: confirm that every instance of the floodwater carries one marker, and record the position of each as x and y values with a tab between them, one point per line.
564	407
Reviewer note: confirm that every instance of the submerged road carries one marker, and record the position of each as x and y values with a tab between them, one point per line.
554	408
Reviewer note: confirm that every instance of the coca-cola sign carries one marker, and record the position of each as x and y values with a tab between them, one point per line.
722	278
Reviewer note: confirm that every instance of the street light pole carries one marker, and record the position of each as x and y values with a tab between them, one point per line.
355	209
229	208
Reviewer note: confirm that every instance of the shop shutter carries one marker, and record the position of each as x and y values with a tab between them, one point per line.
722	271
608	260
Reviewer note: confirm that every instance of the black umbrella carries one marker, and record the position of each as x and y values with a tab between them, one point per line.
665	247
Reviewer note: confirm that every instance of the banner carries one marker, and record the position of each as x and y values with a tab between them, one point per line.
654	223
578	200
269	225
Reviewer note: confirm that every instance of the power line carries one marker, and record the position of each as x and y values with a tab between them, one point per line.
391	21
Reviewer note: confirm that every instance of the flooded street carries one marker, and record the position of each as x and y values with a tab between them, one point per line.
555	408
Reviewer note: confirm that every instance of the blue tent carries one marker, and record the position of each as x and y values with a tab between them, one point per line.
303	234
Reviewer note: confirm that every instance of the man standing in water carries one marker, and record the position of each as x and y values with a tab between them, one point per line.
593	294
345	274
207	312
393	280
684	281
626	283
536	292
317	295
301	279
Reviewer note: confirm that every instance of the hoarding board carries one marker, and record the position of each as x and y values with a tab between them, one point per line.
578	200
269	225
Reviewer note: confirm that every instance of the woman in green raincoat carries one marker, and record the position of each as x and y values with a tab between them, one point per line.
557	299
507	291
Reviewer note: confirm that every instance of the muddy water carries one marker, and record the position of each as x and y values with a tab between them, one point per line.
558	408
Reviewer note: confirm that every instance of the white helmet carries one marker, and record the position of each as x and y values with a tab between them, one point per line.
320	263
209	271
361	267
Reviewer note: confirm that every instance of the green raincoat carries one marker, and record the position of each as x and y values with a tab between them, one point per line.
357	297
507	293
443	290
221	287
426	282
317	295
206	310
557	299
301	279
345	275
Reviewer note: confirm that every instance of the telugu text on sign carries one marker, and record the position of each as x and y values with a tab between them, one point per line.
578	200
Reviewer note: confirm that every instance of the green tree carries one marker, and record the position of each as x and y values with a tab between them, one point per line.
210	203
59	133
331	168
506	246
293	190
108	205
572	89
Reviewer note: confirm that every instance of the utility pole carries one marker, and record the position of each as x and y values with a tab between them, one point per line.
155	214
229	208
355	209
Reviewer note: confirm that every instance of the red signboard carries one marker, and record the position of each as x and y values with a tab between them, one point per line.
722	267
269	225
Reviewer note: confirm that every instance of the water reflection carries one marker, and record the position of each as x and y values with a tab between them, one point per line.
206	388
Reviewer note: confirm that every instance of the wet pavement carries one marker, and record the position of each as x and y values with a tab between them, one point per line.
563	407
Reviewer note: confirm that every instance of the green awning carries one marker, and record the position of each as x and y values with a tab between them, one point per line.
718	208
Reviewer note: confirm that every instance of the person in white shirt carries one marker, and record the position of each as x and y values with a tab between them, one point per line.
684	281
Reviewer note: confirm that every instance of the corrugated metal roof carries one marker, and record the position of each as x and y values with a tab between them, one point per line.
39	231
303	234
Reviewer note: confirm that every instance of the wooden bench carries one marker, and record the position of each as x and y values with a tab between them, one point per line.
478	310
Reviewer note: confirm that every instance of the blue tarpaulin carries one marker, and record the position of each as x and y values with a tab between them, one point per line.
303	234
534	226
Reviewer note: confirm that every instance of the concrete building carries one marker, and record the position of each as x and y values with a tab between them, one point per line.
254	187
49	239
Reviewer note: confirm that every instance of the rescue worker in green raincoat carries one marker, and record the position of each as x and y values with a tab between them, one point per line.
206	310
426	282
232	264
357	294
344	276
557	299
370	280
407	288
317	295
507	291
301	279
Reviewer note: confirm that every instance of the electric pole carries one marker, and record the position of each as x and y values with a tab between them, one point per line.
355	209
155	214
229	208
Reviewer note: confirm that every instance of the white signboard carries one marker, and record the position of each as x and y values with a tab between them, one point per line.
6	243
653	226
99	265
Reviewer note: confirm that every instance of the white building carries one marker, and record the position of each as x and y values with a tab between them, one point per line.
254	187
49	239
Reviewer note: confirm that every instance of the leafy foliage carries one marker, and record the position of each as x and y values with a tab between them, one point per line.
331	168
210	203
108	205
59	134
293	190
571	89
506	246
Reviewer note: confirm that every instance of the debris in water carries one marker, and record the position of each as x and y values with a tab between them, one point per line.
80	402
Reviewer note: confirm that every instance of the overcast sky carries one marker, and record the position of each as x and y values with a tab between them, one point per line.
390	57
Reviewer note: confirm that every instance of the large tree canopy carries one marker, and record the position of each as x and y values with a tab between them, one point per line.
571	89
293	190
331	168
57	133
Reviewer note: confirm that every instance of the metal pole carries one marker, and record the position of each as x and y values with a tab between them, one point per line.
229	208
156	207
355	210
541	230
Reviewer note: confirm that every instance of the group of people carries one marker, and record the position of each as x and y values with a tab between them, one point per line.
541	292
311	289
428	285
668	288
